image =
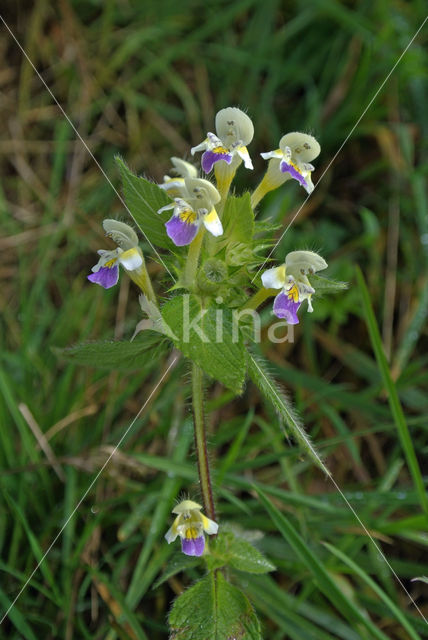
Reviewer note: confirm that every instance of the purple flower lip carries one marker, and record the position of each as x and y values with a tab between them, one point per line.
209	158
106	277
285	307
180	232
193	546
294	173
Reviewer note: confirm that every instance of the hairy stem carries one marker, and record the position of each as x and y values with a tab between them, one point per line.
193	259
201	442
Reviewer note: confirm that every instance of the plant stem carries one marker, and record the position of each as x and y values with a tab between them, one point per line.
201	442
193	259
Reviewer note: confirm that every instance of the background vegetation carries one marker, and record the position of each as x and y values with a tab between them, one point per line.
145	79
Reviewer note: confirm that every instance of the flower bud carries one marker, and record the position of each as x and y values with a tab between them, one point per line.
211	275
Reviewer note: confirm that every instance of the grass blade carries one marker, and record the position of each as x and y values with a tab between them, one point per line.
372	584
324	580
394	400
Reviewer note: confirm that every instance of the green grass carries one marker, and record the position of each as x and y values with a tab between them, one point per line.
144	80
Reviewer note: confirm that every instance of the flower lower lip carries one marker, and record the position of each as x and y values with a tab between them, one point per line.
209	158
106	277
294	173
193	546
181	233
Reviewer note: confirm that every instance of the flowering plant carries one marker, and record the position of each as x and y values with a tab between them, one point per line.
211	246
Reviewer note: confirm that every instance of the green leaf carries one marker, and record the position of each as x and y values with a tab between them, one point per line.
205	336
238	219
113	597
213	610
179	562
272	392
229	549
393	398
267	226
143	199
324	285
123	355
33	543
238	224
323	577
357	570
17	619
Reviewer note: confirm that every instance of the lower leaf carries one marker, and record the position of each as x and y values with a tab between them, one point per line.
213	609
270	389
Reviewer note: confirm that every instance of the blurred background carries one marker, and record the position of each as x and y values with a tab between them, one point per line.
145	79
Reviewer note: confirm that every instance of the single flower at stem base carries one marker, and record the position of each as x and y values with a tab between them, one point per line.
190	524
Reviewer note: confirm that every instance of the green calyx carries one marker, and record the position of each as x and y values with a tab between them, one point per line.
211	275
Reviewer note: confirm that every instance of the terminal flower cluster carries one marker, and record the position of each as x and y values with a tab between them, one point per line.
197	205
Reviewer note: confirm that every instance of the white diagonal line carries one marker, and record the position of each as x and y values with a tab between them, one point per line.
341	146
173	362
87	491
24	53
377	547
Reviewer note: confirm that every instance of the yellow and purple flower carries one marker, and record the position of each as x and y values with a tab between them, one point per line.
292	278
128	254
174	184
190	524
292	159
234	131
195	207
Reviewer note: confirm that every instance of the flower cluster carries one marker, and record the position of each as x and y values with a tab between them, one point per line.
195	198
197	204
190	524
194	201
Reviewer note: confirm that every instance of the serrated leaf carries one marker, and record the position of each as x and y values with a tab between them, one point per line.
266	226
205	335
123	355
213	609
324	285
179	562
277	397
229	549
238	219
143	199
